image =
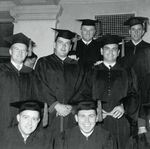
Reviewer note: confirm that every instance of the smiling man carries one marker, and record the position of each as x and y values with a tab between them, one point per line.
14	82
62	80
116	86
137	29
87	134
26	134
87	49
137	53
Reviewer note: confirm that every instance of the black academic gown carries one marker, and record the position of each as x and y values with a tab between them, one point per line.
131	49
138	58
13	139
74	139
62	81
88	54
141	141
115	86
14	86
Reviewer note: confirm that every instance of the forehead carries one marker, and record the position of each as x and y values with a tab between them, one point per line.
114	45
137	26
86	112
19	46
31	113
63	39
88	27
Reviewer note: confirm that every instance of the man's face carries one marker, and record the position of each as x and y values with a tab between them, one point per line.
86	120
62	47
28	121
136	32
110	53
87	32
18	52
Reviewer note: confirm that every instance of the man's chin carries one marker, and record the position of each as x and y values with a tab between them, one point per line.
87	130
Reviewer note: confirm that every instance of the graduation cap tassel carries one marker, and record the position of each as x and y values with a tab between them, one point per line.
30	48
45	115
122	49
99	111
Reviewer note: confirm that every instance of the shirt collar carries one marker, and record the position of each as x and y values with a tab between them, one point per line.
136	43
87	135
109	65
85	42
17	66
24	136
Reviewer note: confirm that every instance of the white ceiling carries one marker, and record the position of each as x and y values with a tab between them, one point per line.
30	2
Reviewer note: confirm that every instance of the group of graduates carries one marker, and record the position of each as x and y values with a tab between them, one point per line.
88	97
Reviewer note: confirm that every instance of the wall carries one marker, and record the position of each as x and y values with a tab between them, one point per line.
35	21
40	32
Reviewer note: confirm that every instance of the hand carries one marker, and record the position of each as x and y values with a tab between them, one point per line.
118	111
73	57
62	109
104	114
142	130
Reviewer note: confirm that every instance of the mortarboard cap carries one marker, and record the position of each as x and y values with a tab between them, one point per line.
34	105
64	33
19	38
136	20
86	105
88	22
110	39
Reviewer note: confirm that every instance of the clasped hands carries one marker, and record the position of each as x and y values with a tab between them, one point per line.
62	109
117	112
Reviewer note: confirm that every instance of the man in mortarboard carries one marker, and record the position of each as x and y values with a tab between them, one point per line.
114	84
26	134
137	29
62	80
137	53
87	134
14	82
88	49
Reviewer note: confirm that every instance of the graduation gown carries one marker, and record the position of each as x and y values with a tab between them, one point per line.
14	86
137	57
13	139
88	54
141	141
62	81
131	49
99	139
115	86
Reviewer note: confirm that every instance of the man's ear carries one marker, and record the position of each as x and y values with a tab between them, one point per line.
118	52
96	118
76	118
101	51
39	120
70	46
143	33
129	31
10	51
17	117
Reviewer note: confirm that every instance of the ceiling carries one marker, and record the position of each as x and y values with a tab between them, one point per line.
33	2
